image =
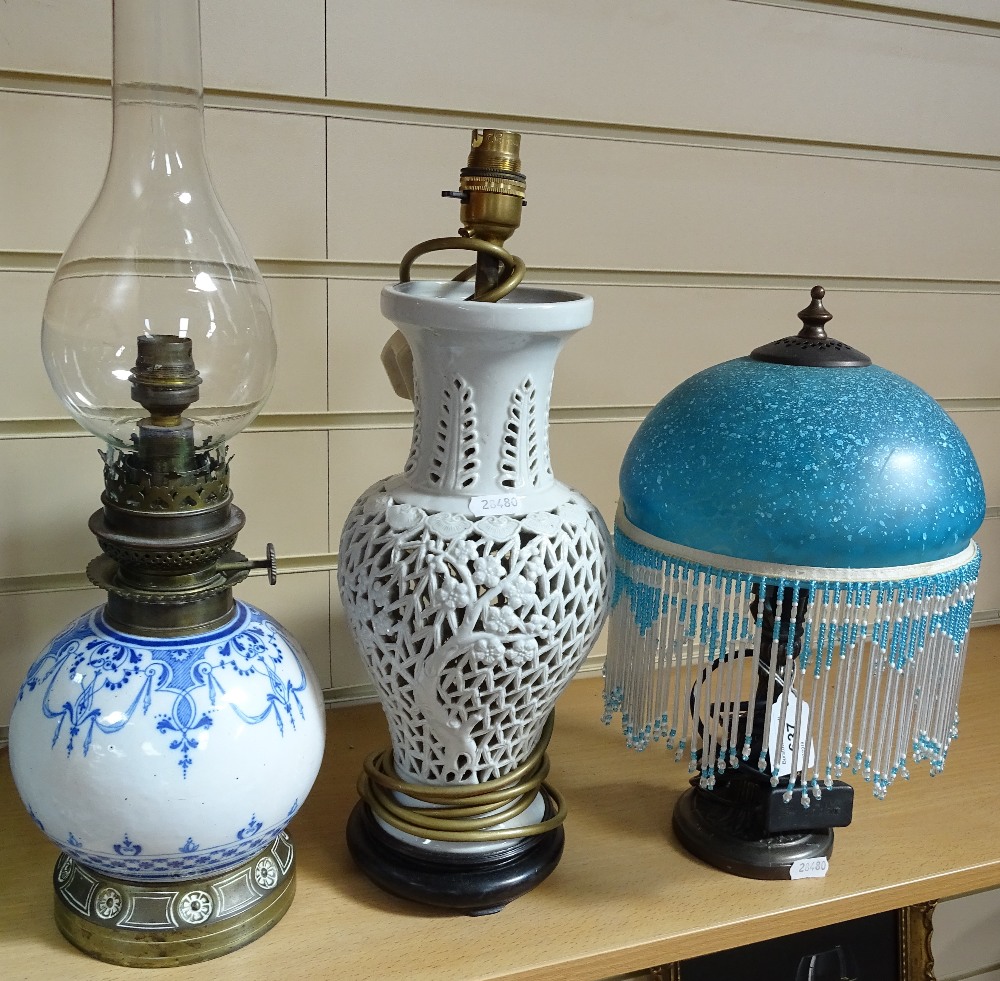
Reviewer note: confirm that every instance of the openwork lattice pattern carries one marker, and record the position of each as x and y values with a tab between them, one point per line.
471	627
454	460
524	452
132	486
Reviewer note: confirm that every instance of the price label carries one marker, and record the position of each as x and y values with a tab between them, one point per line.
787	752
495	504
809	868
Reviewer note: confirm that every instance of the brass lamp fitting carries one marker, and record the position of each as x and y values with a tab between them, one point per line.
491	186
168	523
491	189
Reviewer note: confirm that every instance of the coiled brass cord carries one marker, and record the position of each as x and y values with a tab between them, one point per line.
512	266
465	812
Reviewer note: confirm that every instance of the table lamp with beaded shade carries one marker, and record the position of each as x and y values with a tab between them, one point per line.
794	585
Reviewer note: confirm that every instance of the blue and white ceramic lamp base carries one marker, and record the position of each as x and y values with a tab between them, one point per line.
166	770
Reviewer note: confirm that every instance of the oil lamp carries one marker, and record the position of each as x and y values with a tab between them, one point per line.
795	579
475	582
164	740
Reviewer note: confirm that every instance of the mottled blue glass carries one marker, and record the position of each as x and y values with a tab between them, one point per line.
831	467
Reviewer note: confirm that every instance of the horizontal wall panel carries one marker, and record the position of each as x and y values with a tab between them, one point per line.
965	936
357	332
72	37
622	205
988	590
261	45
55	153
49	489
300	603
358	458
30	621
26	392
943	342
713	65
984	10
644	341
264	45
268	168
270	172
608	363
280	482
299	310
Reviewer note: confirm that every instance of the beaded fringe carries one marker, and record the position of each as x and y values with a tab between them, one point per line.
875	683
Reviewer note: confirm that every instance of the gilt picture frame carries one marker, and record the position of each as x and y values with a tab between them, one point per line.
895	944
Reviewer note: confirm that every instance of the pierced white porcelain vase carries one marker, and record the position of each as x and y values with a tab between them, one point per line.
167	759
475	583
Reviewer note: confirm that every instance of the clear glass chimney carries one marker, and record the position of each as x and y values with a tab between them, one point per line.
156	254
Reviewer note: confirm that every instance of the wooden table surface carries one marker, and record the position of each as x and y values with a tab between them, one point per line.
624	896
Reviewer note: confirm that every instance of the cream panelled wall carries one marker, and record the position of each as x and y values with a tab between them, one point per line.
695	166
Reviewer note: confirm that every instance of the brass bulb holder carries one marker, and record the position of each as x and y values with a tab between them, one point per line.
491	190
491	186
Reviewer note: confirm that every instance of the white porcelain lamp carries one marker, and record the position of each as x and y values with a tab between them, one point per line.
475	584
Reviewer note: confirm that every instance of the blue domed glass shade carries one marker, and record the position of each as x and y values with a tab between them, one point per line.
806	481
832	467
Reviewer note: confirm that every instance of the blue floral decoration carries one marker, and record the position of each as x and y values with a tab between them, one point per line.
95	679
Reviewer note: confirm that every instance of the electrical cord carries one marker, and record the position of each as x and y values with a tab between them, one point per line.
464	812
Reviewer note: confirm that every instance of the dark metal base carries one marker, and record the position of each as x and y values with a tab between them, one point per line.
474	884
169	923
716	832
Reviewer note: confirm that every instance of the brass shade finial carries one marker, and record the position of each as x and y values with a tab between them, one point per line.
815	317
812	347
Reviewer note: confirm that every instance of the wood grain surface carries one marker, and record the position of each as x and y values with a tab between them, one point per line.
623	898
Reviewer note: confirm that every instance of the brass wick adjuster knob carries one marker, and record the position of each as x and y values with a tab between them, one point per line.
240	563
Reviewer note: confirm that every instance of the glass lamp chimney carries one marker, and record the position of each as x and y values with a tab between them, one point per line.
156	254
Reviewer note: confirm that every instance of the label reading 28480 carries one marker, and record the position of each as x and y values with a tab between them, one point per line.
494	504
809	868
